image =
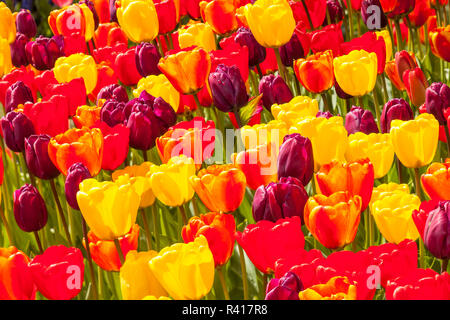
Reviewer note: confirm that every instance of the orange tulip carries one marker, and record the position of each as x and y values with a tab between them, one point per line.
355	177
220	187
316	71
86	116
71	20
77	145
220	15
333	220
392	72
436	181
337	288
109	34
440	42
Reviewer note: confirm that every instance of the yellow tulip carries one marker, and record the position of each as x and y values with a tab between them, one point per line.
375	146
77	65
393	216
162	298
356	72
5	57
264	133
271	22
137	280
89	20
197	34
170	181
109	208
7	25
388	189
299	107
387	40
159	86
328	137
138	19
185	270
415	141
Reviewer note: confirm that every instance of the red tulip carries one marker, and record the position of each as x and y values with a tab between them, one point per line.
74	91
125	67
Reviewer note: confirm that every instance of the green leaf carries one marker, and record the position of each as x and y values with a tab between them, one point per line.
245	113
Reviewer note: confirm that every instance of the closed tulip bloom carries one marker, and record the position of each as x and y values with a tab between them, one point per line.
73	19
256	52
400	9
375	19
102	9
274	90
437	101
420	215
15	128
285	288
90	5
292	111
55	269
125	67
415	141
5	57
159	86
43	52
18	51
170	182
422	11
77	66
387	190
115	144
436	180
113	91
335	11
147	58
7	24
377	147
137	279
392	73
317	12
133	14
439	42
360	120
337	288
114	112
30	211
271	22
77	145
75	175
333	220
109	208
436	233
185	271
405	60
25	23
197	34
316	71
395	109
220	15
296	159
356	72
37	158
384	34
416	85
109	34
169	12
329	37
291	51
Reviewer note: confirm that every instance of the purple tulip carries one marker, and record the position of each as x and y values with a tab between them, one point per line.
113	91
75	175
285	288
295	158
335	11
113	112
18	52
256	52
43	52
30	211
341	93
373	17
16	127
360	120
274	90
437	231
395	109
17	94
437	100
37	158
147	58
25	23
228	88
291	51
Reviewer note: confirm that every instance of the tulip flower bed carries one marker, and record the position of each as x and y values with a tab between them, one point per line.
225	149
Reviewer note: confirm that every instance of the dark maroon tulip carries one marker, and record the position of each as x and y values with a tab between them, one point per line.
291	51
360	120
25	23
149	118
18	52
404	61
395	109
324	114
16	127
437	231
335	11
113	112
341	93
437	100
274	90
75	175
113	10
373	15
36	156
30	211
256	52
295	158
284	199
147	58
285	288
43	52
91	7
113	91
228	88
16	94
402	8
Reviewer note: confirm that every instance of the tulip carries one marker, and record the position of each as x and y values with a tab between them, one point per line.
137	279
416	85
337	288
400	9
159	86
77	66
115	144
335	12
114	112
296	109
220	15
147	58
16	282
384	34
295	158
197	34
75	175
285	288
271	22
316	12
37	158
395	109
113	91
404	61
168	14
185	271
256	52
437	101
170	181
436	180
420	216
5	56
393	216
102	9
415	141
274	90
186	70
74	19
25	23
16	127
7	25
356	72
55	269
422	11
77	145
30	211
74	91
436	233
133	14
392	73
439	42
375	19
316	71
26	75
109	34
18	51
291	51
388	189
329	37
90	5
360	120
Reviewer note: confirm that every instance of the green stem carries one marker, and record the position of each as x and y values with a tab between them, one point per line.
223	283
183	215
421	253
199	106
38	241
377	108
244	272
281	69
447	135
417	183
148	234
237	116
398	32
385	91
350	17
155	225
444	265
89	258
399	170
119	251
325	101
260	73
60	211
5	223
308	15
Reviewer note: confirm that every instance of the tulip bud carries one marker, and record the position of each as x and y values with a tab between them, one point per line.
373	15
416	84
228	88
91	7
295	158
30	211
274	90
17	94
360	120
335	11
437	101
404	61
25	23
437	231
75	175
275	201
43	52
18	53
285	288
401	9
16	127
291	51
147	58
113	112
256	52
114	92
395	109
37	158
